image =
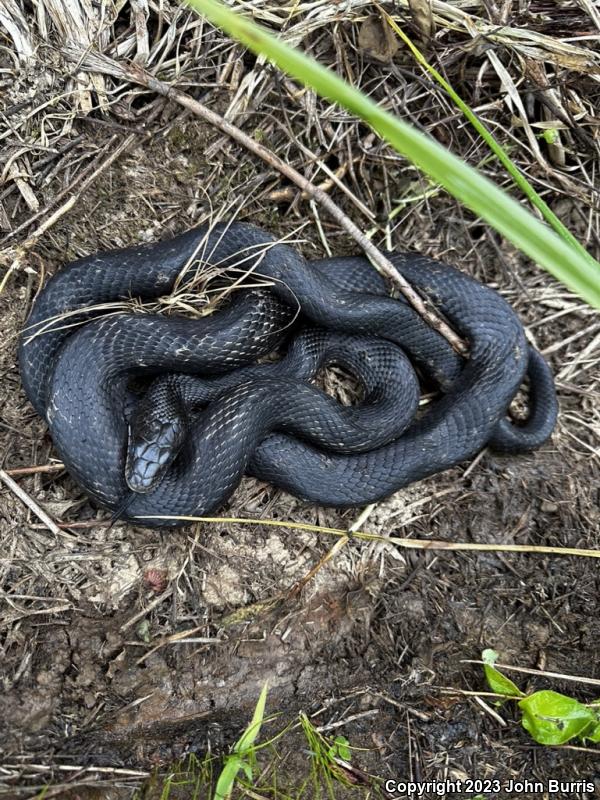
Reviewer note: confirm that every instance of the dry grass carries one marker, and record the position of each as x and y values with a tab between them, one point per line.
90	161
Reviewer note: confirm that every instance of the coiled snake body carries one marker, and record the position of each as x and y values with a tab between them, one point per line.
215	415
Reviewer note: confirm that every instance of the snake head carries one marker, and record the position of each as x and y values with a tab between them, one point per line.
157	431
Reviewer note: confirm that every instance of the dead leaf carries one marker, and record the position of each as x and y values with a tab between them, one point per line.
377	39
422	17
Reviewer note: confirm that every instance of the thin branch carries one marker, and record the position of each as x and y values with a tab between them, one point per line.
156	602
31	504
114	152
136	74
543	673
58	467
411	544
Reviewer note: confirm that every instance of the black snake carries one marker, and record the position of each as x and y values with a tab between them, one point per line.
215	414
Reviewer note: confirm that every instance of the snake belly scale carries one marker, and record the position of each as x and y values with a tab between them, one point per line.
211	413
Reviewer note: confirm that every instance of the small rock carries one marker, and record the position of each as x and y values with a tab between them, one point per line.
548	507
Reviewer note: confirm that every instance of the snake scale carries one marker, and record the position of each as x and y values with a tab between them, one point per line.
212	410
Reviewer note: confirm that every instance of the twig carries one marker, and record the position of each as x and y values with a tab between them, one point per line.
156	602
471	693
490	710
30	242
372	712
528	671
78	768
83	176
300	584
67	526
136	74
288	193
411	544
31	504
183	637
342	542
35	469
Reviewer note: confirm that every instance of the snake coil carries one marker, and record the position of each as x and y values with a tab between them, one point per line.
211	414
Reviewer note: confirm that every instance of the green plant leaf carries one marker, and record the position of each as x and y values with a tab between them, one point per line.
250	735
143	631
577	271
340	749
551	135
238	760
553	718
489	656
227	778
592	734
498	682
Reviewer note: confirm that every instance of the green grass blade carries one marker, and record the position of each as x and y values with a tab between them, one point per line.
250	735
495	146
227	778
238	760
580	273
